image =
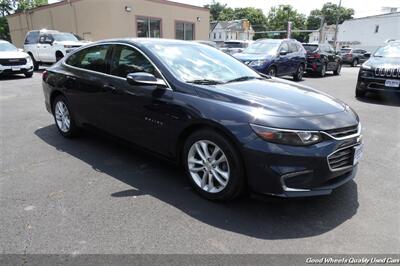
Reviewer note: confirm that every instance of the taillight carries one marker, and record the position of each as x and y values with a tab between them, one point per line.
44	75
348	55
314	55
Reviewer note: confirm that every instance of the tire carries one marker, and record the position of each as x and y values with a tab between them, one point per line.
337	70
61	118
354	63
360	93
35	63
228	181
323	71
28	74
271	71
299	73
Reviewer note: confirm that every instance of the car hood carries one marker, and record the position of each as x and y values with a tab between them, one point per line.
71	43
252	57
383	62
274	97
11	55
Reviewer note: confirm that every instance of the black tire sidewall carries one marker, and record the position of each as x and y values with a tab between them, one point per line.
236	181
269	69
296	75
73	128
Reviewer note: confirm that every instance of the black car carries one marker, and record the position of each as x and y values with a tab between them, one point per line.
322	58
230	127
381	73
354	57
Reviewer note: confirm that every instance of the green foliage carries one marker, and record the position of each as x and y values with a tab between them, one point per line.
28	4
4	30
330	12
215	9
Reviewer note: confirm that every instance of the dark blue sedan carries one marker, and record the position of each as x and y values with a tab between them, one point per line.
275	57
231	129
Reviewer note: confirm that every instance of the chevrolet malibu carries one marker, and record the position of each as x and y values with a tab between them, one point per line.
232	129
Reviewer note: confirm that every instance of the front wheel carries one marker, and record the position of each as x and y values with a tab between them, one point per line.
28	74
271	72
354	63
35	63
360	93
299	73
63	117
213	166
323	70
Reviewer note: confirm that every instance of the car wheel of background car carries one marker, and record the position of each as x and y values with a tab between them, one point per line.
34	62
354	63
299	73
323	71
213	166
271	71
63	117
28	74
360	93
338	69
59	56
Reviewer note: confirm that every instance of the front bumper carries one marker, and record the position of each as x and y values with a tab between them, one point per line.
367	81
18	69
293	171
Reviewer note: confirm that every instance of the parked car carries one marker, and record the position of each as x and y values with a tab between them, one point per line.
234	46
209	43
230	127
14	61
322	58
354	56
381	73
49	46
275	57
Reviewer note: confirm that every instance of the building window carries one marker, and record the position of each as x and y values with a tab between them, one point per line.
148	27
376	28
219	37
215	35
184	31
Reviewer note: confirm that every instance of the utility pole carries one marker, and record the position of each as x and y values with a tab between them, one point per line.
321	28
337	24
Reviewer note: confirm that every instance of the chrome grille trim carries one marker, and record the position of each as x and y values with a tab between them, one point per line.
342	158
356	134
387	72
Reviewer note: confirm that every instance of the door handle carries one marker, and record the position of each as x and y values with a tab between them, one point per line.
109	87
71	78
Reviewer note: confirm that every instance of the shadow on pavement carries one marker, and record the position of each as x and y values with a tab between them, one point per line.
389	99
147	175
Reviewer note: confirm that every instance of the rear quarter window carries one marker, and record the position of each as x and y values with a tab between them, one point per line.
92	58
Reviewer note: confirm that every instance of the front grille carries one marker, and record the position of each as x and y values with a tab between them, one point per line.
343	132
13	62
341	158
387	72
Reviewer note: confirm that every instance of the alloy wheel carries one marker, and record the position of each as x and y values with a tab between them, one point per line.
62	116
208	166
300	72
271	72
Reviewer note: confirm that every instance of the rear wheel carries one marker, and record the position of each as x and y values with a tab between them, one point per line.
271	71
213	166
63	117
34	62
323	70
28	74
354	63
338	69
299	73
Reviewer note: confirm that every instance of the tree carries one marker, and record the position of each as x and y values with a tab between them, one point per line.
330	12
215	9
278	17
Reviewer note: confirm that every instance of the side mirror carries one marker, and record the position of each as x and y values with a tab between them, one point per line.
283	52
143	78
367	55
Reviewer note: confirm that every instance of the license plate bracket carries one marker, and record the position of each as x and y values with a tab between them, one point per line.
392	83
14	68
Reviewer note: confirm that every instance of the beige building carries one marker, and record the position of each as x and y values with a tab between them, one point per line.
102	19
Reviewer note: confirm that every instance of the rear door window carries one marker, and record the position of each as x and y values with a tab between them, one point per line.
92	58
293	47
310	47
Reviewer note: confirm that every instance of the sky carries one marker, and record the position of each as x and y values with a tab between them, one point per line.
362	8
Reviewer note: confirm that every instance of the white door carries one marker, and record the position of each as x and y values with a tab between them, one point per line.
45	48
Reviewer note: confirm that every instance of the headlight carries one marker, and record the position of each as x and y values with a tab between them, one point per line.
366	66
289	137
257	63
28	59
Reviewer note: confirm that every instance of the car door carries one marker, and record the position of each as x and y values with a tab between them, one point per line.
85	77
282	62
294	58
45	47
330	55
134	112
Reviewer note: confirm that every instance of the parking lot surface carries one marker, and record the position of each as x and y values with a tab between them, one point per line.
94	195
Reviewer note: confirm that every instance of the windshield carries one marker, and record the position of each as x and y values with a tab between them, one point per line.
270	48
62	37
234	45
310	47
7	47
388	51
189	62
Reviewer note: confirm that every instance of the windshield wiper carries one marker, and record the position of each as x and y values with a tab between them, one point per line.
205	81
244	78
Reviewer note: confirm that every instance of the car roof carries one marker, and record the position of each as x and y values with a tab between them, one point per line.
4	41
146	41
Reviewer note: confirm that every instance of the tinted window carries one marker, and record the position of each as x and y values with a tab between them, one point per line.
233	45
92	58
293	47
32	37
262	48
127	60
310	47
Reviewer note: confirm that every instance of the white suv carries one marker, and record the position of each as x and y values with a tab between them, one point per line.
49	46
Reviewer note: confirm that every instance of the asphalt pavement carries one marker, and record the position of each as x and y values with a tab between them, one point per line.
94	195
